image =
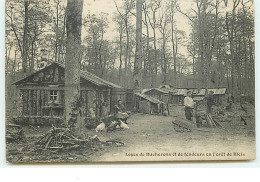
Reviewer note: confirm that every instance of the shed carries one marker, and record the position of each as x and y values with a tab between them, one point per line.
149	105
218	94
42	93
177	96
157	93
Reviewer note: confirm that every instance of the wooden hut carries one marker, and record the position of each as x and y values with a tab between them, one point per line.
149	105
176	96
157	93
42	93
218	94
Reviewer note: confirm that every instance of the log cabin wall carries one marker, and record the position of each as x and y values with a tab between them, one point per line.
37	102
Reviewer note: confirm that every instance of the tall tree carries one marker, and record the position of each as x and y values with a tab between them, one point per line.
72	62
96	28
174	45
155	5
230	28
25	36
147	58
139	47
59	21
120	28
164	20
125	15
26	20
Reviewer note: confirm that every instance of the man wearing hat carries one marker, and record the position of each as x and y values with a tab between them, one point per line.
210	102
189	105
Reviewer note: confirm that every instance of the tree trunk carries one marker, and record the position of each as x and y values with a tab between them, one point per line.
138	50
25	36
174	52
126	50
57	32
120	54
147	61
164	60
155	59
72	64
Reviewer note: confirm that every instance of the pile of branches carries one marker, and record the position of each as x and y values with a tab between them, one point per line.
62	138
14	133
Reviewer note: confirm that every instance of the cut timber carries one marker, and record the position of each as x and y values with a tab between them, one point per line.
183	125
211	122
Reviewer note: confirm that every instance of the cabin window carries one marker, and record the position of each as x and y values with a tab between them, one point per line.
54	95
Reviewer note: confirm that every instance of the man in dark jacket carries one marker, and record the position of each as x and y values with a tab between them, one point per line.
210	102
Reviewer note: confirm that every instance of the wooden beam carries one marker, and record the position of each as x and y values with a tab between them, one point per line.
41	88
49	88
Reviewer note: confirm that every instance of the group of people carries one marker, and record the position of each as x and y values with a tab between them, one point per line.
190	104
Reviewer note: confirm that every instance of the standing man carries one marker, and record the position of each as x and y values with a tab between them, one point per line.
230	102
210	102
189	105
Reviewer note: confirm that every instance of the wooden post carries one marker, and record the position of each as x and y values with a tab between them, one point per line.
34	100
29	102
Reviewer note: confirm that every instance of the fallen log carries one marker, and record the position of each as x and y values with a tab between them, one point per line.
183	125
119	144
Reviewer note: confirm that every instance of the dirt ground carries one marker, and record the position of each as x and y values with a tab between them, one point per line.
151	138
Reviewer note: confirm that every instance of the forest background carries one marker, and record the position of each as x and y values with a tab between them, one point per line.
186	44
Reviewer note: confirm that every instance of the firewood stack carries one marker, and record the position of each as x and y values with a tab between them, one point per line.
62	138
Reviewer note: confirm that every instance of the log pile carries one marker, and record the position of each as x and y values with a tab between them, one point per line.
62	138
